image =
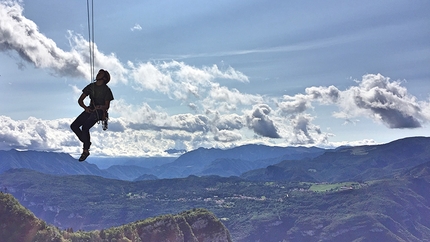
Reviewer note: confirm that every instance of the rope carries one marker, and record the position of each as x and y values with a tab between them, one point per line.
90	13
91	37
92	57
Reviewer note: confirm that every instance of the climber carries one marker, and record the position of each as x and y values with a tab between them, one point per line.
100	95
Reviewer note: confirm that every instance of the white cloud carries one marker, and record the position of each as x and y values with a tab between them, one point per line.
143	113
223	95
118	72
227	136
22	35
228	121
325	95
17	33
34	134
136	27
383	100
148	76
178	80
144	130
259	121
375	97
294	104
304	132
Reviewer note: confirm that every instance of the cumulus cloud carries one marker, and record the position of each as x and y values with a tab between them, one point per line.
178	80
228	121
227	136
143	117
17	33
375	97
142	113
189	122
22	35
383	100
34	134
230	98
326	95
152	131
259	121
294	104
304	132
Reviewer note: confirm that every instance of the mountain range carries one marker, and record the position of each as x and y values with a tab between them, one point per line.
49	163
360	163
362	193
251	162
231	162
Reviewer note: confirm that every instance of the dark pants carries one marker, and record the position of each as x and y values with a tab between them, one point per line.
87	121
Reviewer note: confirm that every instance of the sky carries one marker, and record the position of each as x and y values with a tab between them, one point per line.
215	74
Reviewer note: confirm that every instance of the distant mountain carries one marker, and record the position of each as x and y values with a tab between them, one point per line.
359	163
49	163
146	177
227	167
127	172
175	151
253	162
19	224
231	161
145	162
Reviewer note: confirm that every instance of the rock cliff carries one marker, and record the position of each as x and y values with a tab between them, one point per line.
198	225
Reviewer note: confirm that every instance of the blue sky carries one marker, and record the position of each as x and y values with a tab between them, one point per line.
189	74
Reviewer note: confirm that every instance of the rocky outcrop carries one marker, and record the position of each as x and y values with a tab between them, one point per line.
199	225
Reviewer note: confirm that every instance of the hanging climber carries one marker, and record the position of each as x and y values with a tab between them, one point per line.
100	95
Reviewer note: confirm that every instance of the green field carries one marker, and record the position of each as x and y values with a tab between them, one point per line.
326	187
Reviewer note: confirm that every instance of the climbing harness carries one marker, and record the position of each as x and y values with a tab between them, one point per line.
90	13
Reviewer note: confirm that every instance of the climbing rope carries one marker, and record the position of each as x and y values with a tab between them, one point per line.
90	12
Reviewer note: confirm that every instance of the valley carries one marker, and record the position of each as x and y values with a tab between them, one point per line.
248	209
351	193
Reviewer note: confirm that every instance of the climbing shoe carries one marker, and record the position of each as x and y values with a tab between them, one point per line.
84	155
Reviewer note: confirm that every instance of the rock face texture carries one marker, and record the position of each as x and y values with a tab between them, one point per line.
191	226
198	225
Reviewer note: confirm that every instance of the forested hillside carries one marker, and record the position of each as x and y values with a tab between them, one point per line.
17	224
